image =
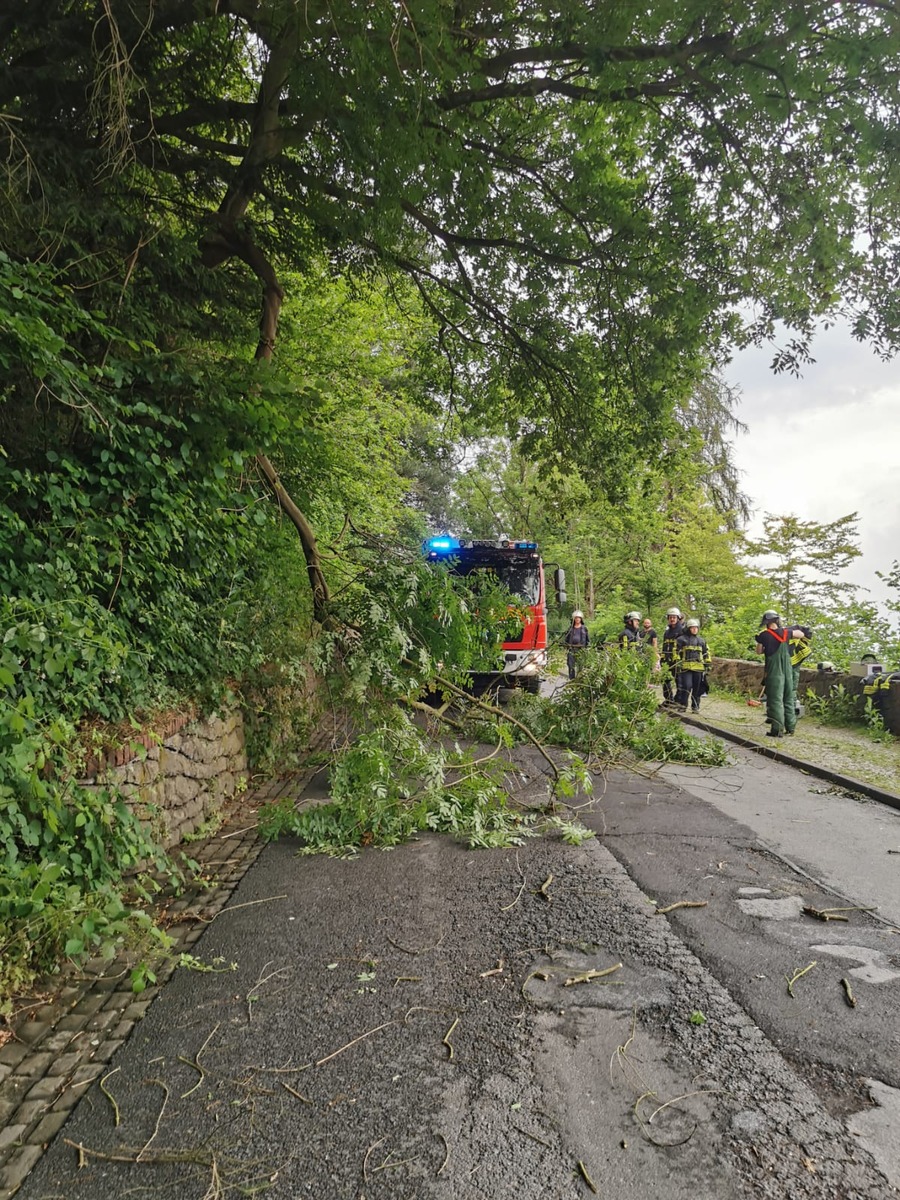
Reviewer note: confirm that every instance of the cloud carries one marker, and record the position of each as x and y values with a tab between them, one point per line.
825	445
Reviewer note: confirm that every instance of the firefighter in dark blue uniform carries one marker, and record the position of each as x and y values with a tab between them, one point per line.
692	659
630	637
674	630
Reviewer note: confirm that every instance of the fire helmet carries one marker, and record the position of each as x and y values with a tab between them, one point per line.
673	612
632	616
770	615
577	613
692	623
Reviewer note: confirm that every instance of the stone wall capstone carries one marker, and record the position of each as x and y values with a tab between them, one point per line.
177	781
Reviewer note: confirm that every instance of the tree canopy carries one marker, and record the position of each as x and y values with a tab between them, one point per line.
587	197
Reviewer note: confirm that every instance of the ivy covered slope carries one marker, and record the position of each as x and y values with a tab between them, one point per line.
143	565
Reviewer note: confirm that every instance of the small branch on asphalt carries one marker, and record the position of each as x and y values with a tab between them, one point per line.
446	1154
534	1137
216	1189
852	908
587	976
260	982
159	1117
195	1062
542	890
644	1124
587	1179
792	979
374	1145
498	970
109	1094
685	1096
287	1087
361	1038
848	993
235	907
446	1039
544	976
423	950
681	904
507	907
823	914
407	979
389	1166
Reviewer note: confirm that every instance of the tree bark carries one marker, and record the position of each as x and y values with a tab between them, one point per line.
228	238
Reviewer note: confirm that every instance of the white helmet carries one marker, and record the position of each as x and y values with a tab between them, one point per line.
632	616
674	612
692	623
577	613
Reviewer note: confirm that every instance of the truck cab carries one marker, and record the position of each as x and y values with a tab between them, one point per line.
517	566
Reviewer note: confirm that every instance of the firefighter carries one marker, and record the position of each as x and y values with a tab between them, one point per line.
692	659
799	641
577	639
630	637
674	630
774	642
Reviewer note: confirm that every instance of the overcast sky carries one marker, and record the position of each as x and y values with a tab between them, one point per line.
825	445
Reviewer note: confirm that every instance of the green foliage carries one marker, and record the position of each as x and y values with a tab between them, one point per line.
804	552
848	710
395	782
609	713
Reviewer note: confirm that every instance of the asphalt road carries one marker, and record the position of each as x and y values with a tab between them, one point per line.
412	1024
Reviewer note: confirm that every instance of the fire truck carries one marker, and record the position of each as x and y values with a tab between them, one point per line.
518	567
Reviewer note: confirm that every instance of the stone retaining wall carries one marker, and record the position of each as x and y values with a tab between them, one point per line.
746	677
179	779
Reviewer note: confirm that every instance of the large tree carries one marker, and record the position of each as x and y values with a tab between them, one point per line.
583	194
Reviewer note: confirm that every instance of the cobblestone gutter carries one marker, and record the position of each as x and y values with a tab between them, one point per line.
59	1047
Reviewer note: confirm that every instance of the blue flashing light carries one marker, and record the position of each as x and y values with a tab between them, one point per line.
526	545
441	545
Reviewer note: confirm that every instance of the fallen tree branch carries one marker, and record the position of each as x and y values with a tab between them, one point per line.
495	711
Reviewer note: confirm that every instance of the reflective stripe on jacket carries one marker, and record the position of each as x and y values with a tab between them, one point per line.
799	642
691	653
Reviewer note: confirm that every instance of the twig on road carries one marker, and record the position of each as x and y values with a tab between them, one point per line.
159	1117
587	1179
235	907
362	1037
109	1094
195	1062
408	950
681	904
446	1039
848	993
446	1155
792	979
507	907
587	976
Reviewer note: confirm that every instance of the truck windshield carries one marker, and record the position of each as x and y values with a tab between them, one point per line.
522	578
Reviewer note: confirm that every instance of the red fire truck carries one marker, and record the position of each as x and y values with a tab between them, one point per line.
518	567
